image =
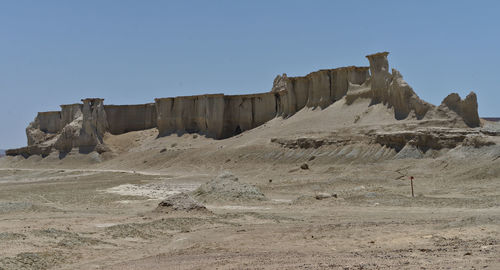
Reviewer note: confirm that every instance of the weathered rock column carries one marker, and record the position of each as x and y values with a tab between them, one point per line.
380	76
94	123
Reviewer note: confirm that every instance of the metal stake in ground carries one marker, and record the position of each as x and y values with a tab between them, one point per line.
411	181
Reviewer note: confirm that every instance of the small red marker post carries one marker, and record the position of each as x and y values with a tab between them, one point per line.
411	181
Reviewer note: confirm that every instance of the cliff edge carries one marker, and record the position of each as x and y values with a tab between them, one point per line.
82	126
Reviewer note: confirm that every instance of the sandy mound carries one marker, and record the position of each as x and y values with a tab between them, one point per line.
180	202
226	187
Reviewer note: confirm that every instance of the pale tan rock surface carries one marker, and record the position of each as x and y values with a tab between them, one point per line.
467	108
221	116
125	118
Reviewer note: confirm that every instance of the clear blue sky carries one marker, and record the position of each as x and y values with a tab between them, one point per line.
57	52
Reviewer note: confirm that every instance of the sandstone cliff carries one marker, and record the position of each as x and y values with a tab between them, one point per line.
126	118
221	116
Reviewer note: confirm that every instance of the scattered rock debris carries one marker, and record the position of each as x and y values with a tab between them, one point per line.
227	187
180	202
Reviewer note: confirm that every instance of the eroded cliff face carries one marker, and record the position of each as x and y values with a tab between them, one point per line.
201	114
126	118
216	116
245	112
317	89
219	116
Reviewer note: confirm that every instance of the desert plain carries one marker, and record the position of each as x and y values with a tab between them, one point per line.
322	204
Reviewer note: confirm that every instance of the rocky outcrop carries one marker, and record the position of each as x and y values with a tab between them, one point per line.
392	90
69	137
70	112
467	108
279	83
44	127
317	89
380	76
425	139
219	116
86	131
31	150
404	100
94	122
306	143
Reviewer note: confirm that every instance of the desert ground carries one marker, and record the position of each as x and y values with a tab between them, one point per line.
350	208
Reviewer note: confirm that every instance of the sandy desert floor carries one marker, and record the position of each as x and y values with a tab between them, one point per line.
78	219
98	211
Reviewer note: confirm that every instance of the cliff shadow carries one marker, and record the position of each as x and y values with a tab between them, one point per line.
237	131
62	155
86	149
181	133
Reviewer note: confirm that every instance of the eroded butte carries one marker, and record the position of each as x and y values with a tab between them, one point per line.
312	174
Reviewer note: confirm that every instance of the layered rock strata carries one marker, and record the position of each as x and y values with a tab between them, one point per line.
221	116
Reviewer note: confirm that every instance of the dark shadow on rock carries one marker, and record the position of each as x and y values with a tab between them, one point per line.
62	155
86	149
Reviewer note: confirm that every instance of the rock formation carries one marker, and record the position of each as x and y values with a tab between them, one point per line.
467	108
44	127
221	116
126	118
86	130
